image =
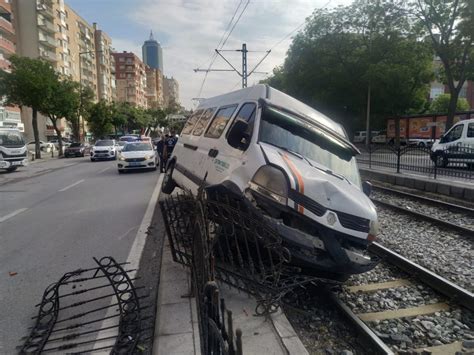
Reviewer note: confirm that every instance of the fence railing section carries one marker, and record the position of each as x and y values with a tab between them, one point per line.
453	161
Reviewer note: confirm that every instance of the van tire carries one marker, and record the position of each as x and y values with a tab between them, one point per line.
168	184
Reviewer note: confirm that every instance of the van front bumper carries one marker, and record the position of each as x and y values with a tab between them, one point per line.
5	164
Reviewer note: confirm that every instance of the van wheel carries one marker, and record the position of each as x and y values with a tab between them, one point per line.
168	184
441	161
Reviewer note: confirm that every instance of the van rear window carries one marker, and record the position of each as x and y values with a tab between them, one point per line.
188	127
202	123
220	122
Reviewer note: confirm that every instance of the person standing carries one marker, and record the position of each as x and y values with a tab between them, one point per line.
160	148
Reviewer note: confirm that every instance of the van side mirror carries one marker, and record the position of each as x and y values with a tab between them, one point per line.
367	188
238	137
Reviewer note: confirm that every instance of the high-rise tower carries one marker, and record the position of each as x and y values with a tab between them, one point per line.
152	53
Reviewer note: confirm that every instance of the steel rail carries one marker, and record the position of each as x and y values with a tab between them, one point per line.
367	335
428	200
438	283
460	229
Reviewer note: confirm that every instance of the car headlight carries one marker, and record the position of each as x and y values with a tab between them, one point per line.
271	182
121	157
148	156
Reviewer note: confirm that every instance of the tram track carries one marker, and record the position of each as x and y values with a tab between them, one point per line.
416	276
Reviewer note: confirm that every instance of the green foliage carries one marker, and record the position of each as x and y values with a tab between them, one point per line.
100	119
441	104
31	83
344	50
450	26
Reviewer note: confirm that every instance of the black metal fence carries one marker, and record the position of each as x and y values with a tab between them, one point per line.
455	161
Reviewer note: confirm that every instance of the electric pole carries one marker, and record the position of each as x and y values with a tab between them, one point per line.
244	73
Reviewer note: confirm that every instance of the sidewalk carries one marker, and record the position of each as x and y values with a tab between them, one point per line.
176	326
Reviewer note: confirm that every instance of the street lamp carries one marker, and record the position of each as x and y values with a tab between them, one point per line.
80	91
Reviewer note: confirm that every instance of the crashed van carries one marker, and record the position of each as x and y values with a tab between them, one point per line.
291	162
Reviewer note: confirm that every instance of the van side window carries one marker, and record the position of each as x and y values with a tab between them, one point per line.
188	127
247	113
470	130
220	121
202	123
454	134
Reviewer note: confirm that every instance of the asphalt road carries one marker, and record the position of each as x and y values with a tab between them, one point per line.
55	223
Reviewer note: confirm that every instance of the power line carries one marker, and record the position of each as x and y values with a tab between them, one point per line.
222	43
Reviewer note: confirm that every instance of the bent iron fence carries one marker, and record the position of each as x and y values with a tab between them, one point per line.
455	161
220	235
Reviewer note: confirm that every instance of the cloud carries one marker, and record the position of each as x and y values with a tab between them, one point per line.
189	32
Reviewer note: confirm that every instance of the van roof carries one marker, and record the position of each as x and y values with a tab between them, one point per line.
275	97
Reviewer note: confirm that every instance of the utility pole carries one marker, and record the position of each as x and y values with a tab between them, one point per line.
244	73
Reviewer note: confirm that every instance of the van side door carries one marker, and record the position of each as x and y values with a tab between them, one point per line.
452	141
227	163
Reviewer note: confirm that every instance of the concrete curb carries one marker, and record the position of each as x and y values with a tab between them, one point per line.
288	336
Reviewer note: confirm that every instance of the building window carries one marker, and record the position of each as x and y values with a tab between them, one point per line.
121	59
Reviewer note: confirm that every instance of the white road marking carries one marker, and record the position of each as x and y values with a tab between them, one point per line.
13	214
72	185
133	259
104	170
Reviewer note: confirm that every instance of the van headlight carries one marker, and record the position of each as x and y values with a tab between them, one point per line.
271	182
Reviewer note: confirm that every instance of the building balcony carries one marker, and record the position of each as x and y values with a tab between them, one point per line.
6	46
46	26
48	55
47	41
4	64
7	28
45	10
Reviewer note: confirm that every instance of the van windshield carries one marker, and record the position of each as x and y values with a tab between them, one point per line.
11	139
288	132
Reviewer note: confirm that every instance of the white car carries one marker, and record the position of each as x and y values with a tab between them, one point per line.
120	145
137	155
288	161
104	150
44	146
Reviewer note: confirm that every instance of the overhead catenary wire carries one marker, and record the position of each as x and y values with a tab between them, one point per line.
223	42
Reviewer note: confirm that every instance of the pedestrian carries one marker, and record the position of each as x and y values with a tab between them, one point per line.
160	145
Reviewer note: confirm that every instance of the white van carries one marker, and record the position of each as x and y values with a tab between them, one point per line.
455	146
291	162
13	151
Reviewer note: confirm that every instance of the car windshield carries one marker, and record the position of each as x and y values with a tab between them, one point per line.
11	139
75	145
104	143
322	150
136	147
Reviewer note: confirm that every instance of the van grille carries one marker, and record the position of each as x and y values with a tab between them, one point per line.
307	203
353	222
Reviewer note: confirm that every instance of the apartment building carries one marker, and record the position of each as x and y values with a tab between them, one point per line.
52	30
130	76
105	64
154	87
170	91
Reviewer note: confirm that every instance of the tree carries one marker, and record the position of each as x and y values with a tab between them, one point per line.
157	118
100	119
450	26
61	104
442	102
30	84
345	53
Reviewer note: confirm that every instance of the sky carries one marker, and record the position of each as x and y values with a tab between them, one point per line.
190	30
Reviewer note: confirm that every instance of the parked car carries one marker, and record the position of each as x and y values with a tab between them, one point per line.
104	149
455	146
137	155
55	142
44	146
77	150
290	162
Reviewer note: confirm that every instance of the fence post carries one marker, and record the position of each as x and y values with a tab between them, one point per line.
238	333
398	159
370	157
435	169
